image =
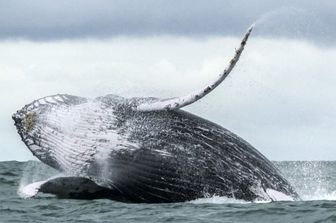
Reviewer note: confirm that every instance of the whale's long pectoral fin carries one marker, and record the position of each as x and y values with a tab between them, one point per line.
70	187
179	102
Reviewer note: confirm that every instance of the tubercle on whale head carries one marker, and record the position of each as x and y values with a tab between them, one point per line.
24	120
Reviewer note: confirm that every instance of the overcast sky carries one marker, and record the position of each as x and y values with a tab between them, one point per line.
64	19
280	97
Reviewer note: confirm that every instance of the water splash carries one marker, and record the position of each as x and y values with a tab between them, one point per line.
30	190
313	180
293	22
33	175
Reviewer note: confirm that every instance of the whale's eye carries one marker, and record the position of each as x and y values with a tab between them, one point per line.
29	121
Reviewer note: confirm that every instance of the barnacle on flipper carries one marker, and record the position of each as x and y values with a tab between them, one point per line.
29	121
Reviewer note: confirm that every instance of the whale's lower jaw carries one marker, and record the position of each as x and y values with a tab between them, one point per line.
83	188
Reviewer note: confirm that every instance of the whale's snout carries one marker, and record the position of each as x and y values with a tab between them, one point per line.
17	119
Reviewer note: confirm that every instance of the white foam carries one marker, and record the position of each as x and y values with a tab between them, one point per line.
219	200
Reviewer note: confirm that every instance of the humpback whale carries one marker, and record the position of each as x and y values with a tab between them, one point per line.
144	150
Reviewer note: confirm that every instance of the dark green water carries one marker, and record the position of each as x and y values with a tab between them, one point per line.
315	182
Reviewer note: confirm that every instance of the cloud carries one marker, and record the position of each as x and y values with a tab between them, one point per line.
280	97
68	19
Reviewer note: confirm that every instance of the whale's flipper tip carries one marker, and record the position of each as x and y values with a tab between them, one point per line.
251	27
30	190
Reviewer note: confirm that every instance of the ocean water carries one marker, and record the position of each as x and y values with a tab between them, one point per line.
314	181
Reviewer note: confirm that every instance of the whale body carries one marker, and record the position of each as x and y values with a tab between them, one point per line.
144	150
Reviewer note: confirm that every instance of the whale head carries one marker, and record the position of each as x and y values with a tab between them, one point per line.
66	132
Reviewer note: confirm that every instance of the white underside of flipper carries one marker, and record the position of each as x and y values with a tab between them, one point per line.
30	190
278	196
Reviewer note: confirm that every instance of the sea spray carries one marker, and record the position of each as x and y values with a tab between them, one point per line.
291	22
33	175
313	180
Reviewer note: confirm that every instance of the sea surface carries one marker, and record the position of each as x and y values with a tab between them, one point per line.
314	181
